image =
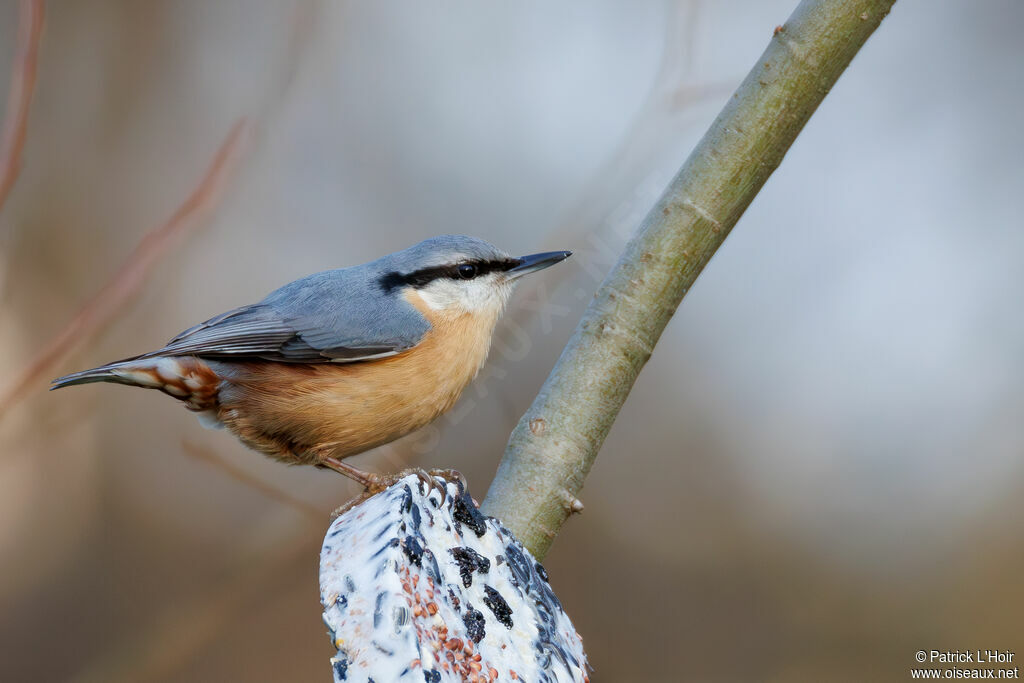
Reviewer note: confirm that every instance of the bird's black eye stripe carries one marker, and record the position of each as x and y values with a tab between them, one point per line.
466	270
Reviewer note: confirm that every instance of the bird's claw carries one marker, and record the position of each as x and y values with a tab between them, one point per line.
429	479
432	480
451	475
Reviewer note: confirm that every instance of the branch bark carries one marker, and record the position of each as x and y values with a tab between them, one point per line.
555	443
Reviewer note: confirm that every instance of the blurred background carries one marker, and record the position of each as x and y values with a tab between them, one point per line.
818	474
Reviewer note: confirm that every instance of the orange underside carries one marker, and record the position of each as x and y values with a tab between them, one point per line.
293	412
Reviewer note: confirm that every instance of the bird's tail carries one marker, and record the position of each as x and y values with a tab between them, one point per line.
187	378
121	372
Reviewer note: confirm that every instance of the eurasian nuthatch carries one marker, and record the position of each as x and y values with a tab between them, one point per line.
341	361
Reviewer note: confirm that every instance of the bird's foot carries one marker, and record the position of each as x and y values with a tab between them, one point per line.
452	475
428	479
374	483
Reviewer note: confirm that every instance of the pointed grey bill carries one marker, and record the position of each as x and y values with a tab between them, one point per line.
534	262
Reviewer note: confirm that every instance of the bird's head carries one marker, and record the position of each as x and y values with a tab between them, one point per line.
456	274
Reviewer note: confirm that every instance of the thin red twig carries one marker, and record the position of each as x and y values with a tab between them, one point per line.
19	96
126	282
243	476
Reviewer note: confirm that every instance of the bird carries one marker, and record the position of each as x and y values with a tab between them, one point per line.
342	361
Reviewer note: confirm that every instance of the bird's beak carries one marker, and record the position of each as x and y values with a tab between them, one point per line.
535	262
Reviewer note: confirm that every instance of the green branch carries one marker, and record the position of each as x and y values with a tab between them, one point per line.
555	443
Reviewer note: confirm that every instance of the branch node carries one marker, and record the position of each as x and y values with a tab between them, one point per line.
575	505
570	502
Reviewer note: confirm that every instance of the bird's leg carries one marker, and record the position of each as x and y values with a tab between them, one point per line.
375	483
371	481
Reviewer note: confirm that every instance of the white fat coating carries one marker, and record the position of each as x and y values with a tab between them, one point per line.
482	294
396	602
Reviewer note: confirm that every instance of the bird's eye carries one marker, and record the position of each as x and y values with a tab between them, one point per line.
467	271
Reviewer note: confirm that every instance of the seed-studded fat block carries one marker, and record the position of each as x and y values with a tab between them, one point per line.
417	586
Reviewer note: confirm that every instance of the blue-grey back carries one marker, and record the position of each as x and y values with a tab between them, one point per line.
338	315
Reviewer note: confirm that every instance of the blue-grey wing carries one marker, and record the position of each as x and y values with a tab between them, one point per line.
336	316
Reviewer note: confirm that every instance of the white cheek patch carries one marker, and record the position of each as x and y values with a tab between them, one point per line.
441	295
471	296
